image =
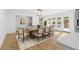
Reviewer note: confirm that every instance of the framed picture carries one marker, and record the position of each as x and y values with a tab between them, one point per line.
59	18
59	22
53	22
23	21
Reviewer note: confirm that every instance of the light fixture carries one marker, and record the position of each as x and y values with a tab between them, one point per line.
39	13
39	9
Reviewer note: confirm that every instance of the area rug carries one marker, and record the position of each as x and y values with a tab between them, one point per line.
31	42
28	43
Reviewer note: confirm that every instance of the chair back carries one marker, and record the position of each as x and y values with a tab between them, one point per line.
40	30
47	29
20	31
52	28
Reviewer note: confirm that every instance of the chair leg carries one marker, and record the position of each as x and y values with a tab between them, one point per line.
45	36
42	38
27	36
18	38
23	38
35	38
38	39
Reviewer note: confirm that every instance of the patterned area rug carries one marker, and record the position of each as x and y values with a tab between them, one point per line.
31	42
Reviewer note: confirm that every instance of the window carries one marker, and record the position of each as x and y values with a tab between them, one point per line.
66	22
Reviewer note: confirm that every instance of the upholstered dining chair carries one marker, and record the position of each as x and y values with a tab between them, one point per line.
46	32
39	35
26	33
51	31
22	34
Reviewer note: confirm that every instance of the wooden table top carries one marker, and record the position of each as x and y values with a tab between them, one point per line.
33	29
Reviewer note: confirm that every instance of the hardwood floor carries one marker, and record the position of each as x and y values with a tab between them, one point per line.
47	45
10	43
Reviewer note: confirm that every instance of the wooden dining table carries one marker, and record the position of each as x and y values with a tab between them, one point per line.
31	32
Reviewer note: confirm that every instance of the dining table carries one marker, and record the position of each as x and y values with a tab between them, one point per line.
31	32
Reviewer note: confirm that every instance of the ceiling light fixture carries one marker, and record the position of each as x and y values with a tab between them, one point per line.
39	13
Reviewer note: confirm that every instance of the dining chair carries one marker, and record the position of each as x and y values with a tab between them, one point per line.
26	33
22	34
51	31
39	34
46	32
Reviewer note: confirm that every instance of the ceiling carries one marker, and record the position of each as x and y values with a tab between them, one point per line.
44	12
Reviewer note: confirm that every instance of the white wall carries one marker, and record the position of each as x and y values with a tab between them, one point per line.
11	18
70	14
2	25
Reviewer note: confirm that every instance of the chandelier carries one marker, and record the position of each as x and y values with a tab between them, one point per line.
39	13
